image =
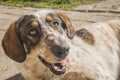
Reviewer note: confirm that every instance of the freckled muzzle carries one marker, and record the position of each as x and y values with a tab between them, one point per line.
58	45
60	50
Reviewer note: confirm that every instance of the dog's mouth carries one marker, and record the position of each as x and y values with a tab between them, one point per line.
56	68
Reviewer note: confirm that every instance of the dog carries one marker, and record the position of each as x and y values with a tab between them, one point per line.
47	47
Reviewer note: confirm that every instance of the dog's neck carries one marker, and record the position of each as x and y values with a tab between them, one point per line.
97	56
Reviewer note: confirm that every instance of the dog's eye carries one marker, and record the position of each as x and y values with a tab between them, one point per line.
33	32
55	23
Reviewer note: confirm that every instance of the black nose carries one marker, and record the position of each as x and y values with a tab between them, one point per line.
60	51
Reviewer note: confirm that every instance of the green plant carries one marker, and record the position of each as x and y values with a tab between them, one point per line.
59	4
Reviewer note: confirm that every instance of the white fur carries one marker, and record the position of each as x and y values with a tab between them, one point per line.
87	62
99	61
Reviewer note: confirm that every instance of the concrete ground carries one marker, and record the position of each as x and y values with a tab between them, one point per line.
82	15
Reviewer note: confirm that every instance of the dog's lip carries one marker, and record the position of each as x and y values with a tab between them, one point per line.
56	68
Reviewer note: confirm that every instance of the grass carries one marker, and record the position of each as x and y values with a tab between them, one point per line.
50	4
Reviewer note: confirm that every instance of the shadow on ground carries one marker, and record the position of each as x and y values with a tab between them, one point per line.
16	77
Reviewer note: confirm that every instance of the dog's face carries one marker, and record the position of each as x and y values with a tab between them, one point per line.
43	33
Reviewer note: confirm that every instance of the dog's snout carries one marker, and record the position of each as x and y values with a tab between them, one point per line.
61	51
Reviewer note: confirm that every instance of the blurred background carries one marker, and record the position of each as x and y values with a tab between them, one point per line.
61	4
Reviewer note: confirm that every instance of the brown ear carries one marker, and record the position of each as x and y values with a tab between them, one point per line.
12	45
67	25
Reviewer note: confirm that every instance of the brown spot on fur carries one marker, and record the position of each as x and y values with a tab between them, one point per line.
49	18
71	76
76	76
88	78
35	24
116	28
86	36
12	45
69	27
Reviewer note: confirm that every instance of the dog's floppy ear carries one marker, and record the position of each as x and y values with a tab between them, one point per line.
12	44
67	25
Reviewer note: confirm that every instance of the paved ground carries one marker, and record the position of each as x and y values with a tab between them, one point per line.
82	15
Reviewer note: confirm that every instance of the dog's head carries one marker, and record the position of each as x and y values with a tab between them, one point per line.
43	33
